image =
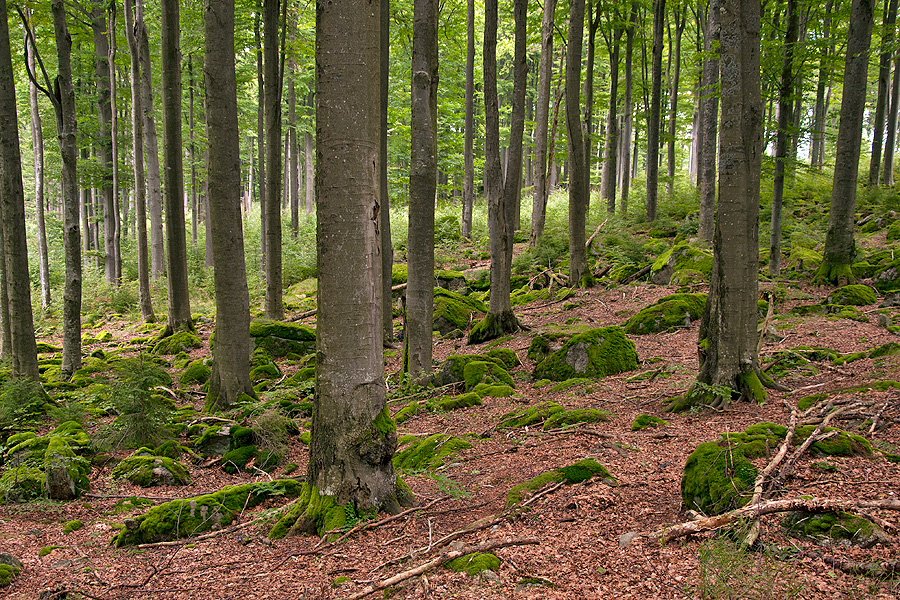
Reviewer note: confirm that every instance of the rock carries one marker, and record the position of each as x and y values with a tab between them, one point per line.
280	338
834	528
676	310
592	353
854	295
10	568
454	311
181	341
680	257
891	299
145	469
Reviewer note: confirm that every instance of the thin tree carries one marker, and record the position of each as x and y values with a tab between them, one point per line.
114	145
891	134
468	200
387	249
817	141
294	164
611	143
230	377
541	123
274	308
625	163
653	115
680	16
578	175
840	246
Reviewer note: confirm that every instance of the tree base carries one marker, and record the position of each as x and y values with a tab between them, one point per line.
747	386
832	274
494	326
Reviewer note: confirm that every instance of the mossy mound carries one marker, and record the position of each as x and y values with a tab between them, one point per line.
493	390
839	444
280	338
418	454
238	459
543	344
454	311
448	403
642	422
688	277
622	272
211	440
473	564
888	349
575	473
482	371
506	357
785	362
593	353
146	469
192	516
676	310
70	526
832	528
533	415
21	484
804	260
575	416
887	277
453	369
568	383
853	295
181	341
718	475
408	411
197	373
678	258
46	465
398	274
313	513
10	568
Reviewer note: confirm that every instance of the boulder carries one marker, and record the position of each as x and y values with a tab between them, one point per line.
592	353
680	257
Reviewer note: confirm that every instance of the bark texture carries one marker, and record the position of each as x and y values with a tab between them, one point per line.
709	123
274	307
542	122
578	175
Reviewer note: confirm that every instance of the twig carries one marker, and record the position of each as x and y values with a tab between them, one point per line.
876	417
587	244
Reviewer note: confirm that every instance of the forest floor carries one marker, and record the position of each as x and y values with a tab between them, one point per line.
576	527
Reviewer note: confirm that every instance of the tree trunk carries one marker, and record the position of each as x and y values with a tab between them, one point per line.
680	23
387	248
611	144
37	143
627	117
709	119
261	134
5	319
588	127
102	75
840	247
192	154
294	168
310	176
12	209
179	296
140	196
274	308
728	340
817	144
891	136
578	202
469	133
353	435
542	116
785	119
659	10
422	188
230	377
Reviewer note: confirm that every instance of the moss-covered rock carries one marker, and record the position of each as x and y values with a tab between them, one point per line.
679	257
418	454
840	443
543	344
193	516
853	295
804	260
448	403
473	564
575	473
593	353
506	356
10	568
145	469
688	277
398	274
642	422
65	472
408	411
21	483
181	341
197	373
718	476
575	416
280	338
453	369
888	349
493	390
70	526
482	371
533	415
676	310
622	272
454	311
238	459
832	528
212	440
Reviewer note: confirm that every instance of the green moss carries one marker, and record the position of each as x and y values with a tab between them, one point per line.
530	416
313	513
197	373
398	274
21	483
676	310
480	371
687	277
428	453
568	383
840	444
830	527
855	295
680	257
593	353
180	341
888	349
411	409
453	369
237	459
804	260
142	468
751	387
449	403
10	567
642	422
851	357
575	473
505	356
473	564
717	477
71	526
807	402
280	338
578	415
499	390
454	311
340	580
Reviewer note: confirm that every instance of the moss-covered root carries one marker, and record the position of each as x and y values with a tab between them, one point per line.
833	274
494	326
313	513
746	386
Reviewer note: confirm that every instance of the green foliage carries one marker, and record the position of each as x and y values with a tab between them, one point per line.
142	415
22	401
71	526
575	416
180	341
830	527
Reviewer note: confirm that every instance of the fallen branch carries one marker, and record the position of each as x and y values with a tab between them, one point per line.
638	275
440	560
587	244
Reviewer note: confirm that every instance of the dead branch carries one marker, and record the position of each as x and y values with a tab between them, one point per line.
587	244
638	275
440	560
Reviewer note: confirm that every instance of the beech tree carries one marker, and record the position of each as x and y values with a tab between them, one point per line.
272	229
708	124
541	123
37	144
659	10
578	174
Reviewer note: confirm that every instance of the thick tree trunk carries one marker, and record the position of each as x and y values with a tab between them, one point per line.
37	144
785	119
653	116
468	200
422	188
817	143
179	296
728	340
578	202
230	377
5	319
387	248
261	133
114	146
12	209
709	120
542	116
353	436
840	247
274	308
140	196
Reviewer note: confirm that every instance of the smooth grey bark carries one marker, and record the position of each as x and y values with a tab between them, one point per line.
230	376
261	132
176	254
891	134
709	121
192	154
137	148
294	164
468	200
588	110
310	175
653	115
12	209
37	144
627	124
353	436
680	23
727	343
274	308
387	248
5	324
578	175
114	144
541	123
785	120
611	142
422	188
840	247
817	141
104	110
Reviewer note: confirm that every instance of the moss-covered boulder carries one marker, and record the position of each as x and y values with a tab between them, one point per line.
575	473
280	338
642	422
593	353
238	459
424	454
473	564
47	465
482	371
196	373
144	468
804	260
453	369
454	311
398	274
506	356
543	344
678	258
719	476
448	403
212	440
193	516
676	310
834	528
840	443
533	415
454	281
180	341
575	416
66	473
853	295
10	568
21	483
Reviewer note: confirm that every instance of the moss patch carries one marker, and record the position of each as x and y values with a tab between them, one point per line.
473	564
593	353
197	373
530	416
181	341
71	526
453	369
830	528
854	295
10	567
314	513
676	310
454	311
145	469
280	338
481	371
428	453
575	473
642	422
572	417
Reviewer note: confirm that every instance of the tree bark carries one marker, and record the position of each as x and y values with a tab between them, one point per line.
179	296
230	377
541	123
680	23
469	132
628	111
817	143
578	202
891	135
353	435
653	116
840	247
102	81
310	175
274	308
114	146
387	248
37	143
294	168
422	189
611	144
192	154
709	121
727	340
